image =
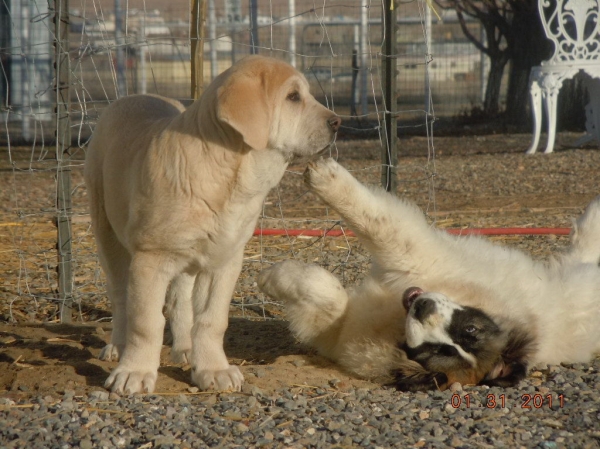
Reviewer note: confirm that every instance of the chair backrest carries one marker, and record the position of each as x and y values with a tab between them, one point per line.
574	28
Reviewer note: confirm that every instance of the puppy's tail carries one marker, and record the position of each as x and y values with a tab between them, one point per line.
315	302
585	238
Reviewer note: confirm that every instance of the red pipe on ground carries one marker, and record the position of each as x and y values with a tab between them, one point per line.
454	231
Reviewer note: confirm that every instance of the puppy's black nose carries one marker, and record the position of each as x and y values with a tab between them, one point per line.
334	123
422	308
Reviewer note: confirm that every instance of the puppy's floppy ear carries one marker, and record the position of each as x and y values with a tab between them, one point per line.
411	376
512	366
242	104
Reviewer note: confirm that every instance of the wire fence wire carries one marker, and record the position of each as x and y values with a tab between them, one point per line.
121	48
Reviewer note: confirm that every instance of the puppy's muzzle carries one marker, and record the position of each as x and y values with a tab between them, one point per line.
422	309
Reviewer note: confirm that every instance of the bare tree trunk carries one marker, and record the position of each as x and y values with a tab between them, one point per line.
517	96
514	33
491	104
528	47
491	47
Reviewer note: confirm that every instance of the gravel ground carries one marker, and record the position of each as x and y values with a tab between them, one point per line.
51	393
564	412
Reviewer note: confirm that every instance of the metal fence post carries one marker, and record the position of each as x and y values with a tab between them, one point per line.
363	50
62	67
212	36
389	157
253	27
197	46
120	50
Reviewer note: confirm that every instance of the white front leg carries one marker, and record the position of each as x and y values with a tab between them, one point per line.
211	298
388	226
384	223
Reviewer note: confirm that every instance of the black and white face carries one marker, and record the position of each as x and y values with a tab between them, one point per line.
447	343
444	336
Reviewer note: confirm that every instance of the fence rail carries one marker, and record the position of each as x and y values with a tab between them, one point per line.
62	62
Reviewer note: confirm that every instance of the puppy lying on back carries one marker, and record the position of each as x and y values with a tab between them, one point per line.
436	308
174	196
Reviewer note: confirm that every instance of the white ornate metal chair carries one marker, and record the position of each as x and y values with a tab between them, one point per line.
574	28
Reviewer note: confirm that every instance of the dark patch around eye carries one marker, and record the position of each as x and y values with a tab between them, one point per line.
471	328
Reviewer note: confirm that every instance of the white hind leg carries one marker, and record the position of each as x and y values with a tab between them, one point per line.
181	316
585	239
115	261
315	301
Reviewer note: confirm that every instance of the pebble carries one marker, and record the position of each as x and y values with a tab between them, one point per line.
456	386
99	395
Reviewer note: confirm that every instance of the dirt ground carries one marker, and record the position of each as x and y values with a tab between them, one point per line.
461	182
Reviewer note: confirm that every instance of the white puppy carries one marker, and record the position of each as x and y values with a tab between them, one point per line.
480	313
174	197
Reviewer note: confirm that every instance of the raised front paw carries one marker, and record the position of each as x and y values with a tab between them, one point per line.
111	353
229	379
124	380
320	174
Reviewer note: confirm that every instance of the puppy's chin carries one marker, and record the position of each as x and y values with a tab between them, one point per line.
302	158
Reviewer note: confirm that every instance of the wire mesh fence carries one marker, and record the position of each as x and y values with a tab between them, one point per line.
118	49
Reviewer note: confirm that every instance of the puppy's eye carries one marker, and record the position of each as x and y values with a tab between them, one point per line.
470	329
294	96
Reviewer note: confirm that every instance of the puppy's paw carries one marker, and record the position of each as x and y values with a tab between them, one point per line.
128	381
314	299
111	353
181	355
277	280
320	174
229	379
